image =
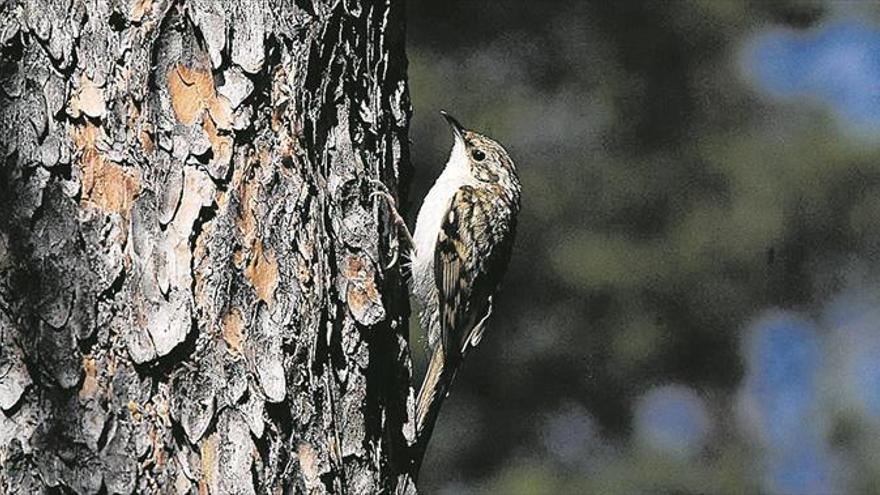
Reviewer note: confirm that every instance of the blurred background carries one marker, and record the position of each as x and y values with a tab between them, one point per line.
693	304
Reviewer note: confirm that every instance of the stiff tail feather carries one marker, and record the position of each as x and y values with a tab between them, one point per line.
430	395
434	387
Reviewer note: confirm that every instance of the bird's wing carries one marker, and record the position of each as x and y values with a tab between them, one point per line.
470	256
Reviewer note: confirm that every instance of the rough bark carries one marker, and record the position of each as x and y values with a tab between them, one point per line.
192	287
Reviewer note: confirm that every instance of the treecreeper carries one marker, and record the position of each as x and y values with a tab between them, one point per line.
459	252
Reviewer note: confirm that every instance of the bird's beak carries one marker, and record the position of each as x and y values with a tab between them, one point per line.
457	128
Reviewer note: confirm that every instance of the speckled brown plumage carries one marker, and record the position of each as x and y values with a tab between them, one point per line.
464	238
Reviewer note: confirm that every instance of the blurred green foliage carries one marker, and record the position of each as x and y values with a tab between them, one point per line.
667	201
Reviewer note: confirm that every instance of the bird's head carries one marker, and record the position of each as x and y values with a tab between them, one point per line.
483	157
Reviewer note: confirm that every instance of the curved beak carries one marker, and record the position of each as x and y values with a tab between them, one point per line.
457	128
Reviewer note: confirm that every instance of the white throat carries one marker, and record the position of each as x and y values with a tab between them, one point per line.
430	219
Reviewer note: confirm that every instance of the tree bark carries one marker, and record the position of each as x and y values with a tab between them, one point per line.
193	296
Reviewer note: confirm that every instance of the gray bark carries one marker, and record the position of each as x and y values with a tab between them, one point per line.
193	296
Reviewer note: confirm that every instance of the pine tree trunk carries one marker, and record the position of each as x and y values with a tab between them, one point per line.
193	293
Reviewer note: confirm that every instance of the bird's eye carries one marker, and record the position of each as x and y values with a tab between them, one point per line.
478	155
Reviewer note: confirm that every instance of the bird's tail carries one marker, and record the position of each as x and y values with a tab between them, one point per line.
432	392
435	386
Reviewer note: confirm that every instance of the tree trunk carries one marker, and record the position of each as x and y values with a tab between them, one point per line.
192	287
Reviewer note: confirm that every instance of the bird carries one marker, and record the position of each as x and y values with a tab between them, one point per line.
459	252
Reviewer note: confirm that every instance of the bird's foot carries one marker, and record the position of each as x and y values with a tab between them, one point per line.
396	217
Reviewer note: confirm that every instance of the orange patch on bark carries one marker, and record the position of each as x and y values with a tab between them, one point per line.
221	111
262	266
262	272
105	184
139	9
308	462
90	382
192	91
362	286
209	463
147	142
358	297
135	410
233	331
194	99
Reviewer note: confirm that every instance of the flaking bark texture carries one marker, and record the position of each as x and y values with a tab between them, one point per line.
193	296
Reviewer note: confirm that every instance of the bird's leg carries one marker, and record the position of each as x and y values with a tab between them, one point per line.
395	216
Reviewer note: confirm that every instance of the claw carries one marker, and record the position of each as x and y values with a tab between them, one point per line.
388	197
396	218
394	257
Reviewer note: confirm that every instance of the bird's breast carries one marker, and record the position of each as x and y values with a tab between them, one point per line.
428	224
